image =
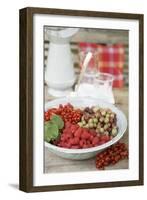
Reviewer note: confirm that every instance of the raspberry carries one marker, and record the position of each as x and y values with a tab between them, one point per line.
75	147
94	133
88	142
76	140
67	125
63	137
102	142
89	145
78	132
85	135
73	128
71	141
67	136
82	143
91	137
85	146
95	141
105	138
67	145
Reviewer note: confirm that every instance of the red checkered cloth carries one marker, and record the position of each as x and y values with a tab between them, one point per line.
111	59
84	48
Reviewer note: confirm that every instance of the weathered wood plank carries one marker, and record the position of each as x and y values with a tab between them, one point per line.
99	36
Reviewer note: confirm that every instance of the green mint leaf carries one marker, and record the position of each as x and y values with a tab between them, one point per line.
58	121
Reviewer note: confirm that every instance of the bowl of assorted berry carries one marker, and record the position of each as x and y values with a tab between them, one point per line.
79	128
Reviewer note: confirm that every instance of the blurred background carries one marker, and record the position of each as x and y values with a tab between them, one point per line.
110	48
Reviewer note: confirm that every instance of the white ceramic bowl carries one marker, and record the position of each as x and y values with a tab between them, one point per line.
81	154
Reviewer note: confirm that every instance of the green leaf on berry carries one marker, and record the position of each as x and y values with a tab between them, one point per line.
51	131
58	121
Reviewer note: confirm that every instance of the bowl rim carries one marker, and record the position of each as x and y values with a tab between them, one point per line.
91	149
81	98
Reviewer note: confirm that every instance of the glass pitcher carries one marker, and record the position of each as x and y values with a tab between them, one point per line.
96	84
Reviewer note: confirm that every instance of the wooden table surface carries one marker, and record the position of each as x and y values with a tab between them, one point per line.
54	163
